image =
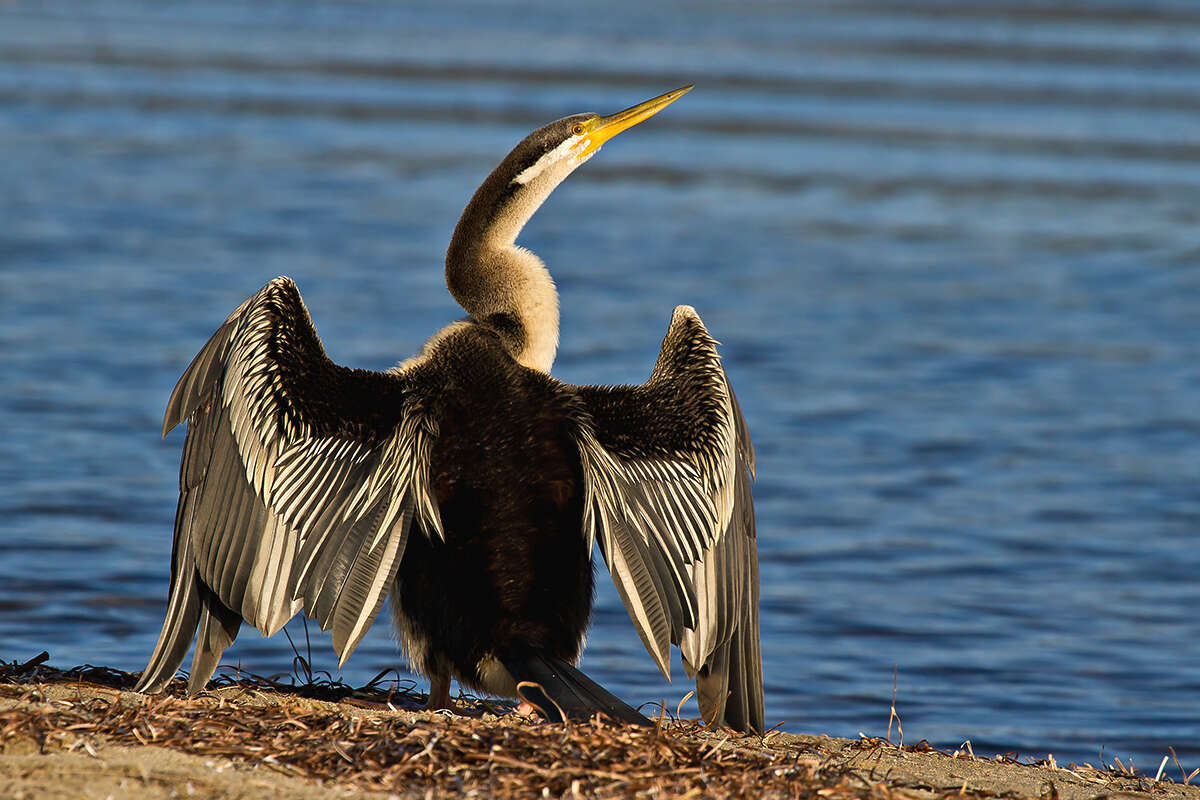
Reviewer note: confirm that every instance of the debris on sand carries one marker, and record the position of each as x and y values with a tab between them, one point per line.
326	735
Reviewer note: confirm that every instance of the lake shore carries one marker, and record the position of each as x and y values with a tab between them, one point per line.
83	734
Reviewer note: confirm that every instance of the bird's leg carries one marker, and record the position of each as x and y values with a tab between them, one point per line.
439	692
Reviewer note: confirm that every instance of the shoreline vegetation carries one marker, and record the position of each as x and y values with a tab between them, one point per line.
81	733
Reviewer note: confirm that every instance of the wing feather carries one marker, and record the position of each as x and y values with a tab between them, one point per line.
667	469
299	484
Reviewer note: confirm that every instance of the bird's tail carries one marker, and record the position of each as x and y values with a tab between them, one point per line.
558	688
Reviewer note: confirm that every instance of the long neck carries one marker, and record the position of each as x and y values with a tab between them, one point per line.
498	283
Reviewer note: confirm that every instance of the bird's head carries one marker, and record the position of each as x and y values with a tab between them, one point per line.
558	148
538	164
507	286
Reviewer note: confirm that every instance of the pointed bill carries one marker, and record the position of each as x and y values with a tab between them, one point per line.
601	129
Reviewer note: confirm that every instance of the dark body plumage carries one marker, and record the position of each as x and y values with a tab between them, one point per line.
506	475
469	483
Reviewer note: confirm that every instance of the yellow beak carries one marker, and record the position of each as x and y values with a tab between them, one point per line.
600	129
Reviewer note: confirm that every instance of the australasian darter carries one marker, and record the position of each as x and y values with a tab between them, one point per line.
469	483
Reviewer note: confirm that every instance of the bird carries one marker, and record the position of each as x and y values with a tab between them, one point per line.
469	484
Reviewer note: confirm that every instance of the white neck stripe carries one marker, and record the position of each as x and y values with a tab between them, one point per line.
557	154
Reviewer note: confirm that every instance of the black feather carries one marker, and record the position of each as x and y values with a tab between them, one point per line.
577	695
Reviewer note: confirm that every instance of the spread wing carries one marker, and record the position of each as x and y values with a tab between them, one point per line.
299	483
667	470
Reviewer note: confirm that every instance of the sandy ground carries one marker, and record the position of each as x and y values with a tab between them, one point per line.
83	740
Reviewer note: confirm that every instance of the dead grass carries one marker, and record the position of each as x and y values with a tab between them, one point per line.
373	739
471	754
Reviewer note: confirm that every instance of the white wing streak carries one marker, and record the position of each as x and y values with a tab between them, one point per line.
667	469
300	503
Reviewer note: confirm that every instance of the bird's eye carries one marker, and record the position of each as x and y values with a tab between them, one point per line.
577	129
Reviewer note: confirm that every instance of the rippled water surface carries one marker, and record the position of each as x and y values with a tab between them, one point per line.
951	250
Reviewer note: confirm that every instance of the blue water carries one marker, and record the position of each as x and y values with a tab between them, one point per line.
951	250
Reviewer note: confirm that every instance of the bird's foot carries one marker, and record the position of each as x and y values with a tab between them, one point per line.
439	694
